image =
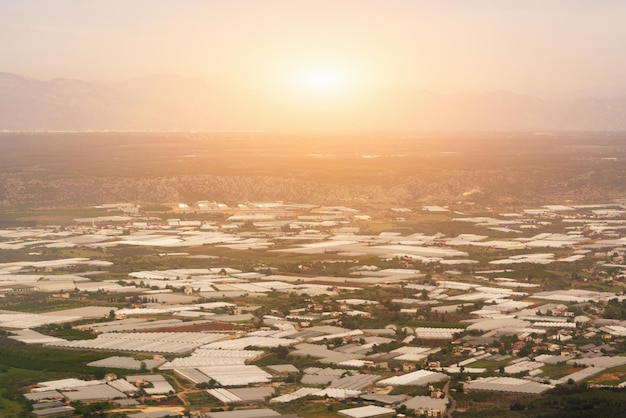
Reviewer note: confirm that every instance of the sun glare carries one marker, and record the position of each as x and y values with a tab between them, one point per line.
321	81
327	94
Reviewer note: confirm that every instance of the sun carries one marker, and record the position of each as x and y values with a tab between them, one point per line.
322	81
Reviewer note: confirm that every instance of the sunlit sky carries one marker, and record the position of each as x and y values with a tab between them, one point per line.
544	47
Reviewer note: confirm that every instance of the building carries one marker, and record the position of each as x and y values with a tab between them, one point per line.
427	405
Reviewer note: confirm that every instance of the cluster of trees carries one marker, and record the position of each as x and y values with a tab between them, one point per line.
574	400
66	331
615	309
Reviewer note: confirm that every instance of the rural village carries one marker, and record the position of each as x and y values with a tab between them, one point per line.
278	309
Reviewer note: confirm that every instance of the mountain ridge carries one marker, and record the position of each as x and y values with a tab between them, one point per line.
173	102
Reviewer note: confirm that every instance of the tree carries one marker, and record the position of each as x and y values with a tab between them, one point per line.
403	409
524	351
281	352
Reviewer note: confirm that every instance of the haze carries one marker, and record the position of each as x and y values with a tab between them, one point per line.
326	57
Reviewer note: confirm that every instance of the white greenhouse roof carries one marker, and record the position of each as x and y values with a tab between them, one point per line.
507	384
152	342
369	411
418	377
236	375
241	343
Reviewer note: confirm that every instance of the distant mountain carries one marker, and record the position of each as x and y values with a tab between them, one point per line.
157	102
168	102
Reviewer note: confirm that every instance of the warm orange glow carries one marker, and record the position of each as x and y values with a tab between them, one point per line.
316	64
322	81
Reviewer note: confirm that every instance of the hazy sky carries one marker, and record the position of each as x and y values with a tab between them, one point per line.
536	46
